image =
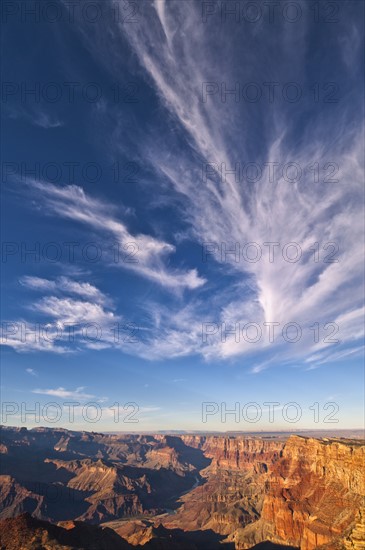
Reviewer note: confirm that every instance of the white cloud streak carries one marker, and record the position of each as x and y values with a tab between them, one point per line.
62	393
31	372
304	212
177	54
71	202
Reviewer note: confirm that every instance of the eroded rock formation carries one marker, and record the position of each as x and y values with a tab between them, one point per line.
294	491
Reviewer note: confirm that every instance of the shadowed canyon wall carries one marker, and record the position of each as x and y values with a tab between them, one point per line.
301	492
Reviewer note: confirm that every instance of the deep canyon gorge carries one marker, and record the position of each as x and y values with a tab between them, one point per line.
67	489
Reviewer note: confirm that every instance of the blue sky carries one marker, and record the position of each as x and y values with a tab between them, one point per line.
164	146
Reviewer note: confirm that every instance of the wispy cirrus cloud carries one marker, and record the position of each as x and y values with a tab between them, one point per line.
71	202
36	117
67	310
304	212
176	56
32	372
62	393
62	318
64	285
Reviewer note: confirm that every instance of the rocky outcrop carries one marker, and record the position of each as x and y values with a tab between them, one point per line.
314	491
293	491
15	499
232	490
303	492
91	476
237	453
28	533
356	539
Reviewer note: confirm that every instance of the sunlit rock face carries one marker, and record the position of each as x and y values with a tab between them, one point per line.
303	492
315	491
293	491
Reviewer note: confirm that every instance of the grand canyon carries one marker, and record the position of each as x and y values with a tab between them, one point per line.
68	489
182	275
